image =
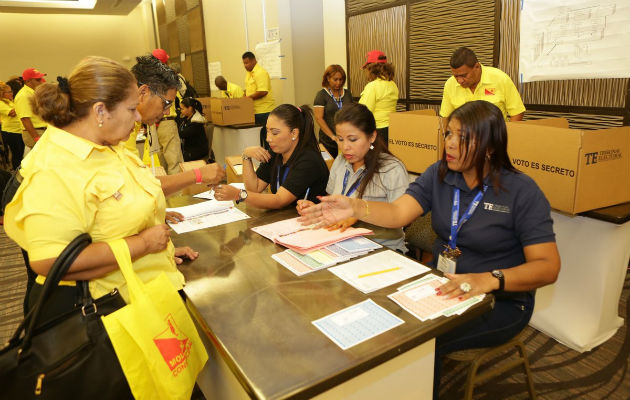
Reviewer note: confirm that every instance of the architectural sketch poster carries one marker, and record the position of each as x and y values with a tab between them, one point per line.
574	39
269	56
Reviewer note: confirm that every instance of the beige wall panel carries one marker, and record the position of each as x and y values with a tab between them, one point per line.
180	8
436	29
579	121
200	74
187	71
190	4
169	7
160	11
579	92
163	33
183	32
55	43
195	26
353	6
173	39
383	30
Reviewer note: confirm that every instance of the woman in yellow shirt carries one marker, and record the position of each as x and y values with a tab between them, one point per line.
80	178
380	95
11	125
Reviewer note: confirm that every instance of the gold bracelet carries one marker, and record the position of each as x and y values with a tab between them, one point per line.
367	208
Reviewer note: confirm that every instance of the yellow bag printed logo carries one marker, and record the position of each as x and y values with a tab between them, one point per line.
174	346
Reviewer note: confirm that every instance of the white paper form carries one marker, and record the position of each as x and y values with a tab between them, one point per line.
209	194
378	271
206	215
357	323
420	300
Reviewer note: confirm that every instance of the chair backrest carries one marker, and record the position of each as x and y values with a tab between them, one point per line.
420	233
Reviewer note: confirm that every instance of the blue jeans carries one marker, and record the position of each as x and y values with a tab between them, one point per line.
497	326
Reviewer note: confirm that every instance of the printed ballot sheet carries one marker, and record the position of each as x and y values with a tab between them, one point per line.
357	323
378	270
420	299
205	215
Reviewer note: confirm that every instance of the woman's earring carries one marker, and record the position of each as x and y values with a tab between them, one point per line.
100	124
371	146
293	138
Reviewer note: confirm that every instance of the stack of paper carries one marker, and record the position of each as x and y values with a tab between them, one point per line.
206	215
419	299
303	239
330	255
378	270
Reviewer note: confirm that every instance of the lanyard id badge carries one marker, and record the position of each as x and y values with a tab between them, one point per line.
354	186
284	177
447	260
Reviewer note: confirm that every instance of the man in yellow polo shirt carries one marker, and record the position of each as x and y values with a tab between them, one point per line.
473	81
228	90
258	88
33	125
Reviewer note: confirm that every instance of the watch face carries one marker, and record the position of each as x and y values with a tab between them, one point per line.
243	194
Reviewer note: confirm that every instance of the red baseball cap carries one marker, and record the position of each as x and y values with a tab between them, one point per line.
375	56
161	55
32	73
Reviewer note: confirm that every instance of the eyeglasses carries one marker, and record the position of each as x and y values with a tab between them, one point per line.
166	103
450	135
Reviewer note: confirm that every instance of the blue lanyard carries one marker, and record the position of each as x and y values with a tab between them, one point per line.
354	186
284	177
339	102
456	224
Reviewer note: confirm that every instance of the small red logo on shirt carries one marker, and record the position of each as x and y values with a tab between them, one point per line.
489	92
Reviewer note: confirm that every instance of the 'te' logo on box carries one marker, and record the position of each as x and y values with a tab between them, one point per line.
591	158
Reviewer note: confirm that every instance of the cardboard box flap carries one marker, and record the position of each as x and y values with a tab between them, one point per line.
549	156
553	122
426	111
415	138
604	166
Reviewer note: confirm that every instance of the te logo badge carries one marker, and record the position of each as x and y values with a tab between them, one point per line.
591	158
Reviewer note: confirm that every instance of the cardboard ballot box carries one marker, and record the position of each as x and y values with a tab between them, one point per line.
205	105
415	137
231	111
326	156
578	170
234	169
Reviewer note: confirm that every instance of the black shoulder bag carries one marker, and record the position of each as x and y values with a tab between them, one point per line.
69	356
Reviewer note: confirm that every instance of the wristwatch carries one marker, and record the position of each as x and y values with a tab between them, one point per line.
242	195
497	273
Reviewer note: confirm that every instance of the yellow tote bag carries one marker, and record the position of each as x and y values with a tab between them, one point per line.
154	336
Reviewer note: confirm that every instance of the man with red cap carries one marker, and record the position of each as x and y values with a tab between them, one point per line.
33	126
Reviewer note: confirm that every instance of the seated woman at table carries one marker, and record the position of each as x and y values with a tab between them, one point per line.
500	239
365	169
191	130
81	179
296	170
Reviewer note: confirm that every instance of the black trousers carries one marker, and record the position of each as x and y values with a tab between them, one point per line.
16	145
261	119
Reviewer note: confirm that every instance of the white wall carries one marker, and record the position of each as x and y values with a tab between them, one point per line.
55	43
334	18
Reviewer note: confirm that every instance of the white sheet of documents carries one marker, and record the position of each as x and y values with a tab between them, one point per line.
205	215
377	271
357	323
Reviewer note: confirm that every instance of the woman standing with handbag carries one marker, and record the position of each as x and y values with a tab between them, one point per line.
81	179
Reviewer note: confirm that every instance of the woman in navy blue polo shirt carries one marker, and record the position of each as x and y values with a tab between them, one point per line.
493	223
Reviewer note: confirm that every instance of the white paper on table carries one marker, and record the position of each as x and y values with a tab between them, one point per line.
209	194
378	271
357	323
206	215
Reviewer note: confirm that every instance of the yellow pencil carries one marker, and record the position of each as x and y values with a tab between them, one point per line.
379	272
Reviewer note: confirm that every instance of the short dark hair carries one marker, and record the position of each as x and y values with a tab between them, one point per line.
483	127
157	76
194	103
463	56
250	55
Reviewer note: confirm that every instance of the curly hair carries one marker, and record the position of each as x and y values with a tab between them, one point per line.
159	77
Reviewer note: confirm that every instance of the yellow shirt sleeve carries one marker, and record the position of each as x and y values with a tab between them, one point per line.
446	108
513	102
368	97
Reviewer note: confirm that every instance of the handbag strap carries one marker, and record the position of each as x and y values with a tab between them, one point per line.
57	271
123	257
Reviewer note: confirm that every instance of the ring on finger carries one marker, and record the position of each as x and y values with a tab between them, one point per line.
465	287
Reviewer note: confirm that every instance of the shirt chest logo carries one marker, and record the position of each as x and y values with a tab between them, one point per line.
489	92
496	207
